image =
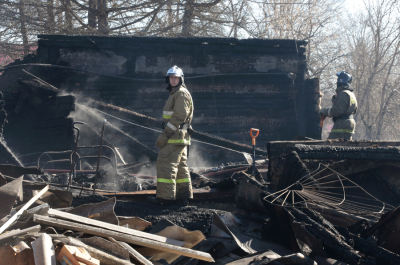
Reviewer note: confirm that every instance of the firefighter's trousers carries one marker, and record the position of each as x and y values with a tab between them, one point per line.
173	177
343	129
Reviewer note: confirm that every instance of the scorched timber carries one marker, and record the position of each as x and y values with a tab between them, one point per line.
341	152
151	122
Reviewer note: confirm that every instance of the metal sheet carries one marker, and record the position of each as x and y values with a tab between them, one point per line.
248	244
191	238
43	250
215	231
164	223
133	223
18	245
57	198
8	194
255	259
8	256
102	211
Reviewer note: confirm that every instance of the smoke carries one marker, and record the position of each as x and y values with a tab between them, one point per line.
199	155
198	159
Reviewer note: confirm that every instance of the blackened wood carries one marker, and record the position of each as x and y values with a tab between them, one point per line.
37	86
282	148
328	237
384	219
371	249
391	187
293	170
339	152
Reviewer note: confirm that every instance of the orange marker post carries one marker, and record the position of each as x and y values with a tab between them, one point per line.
253	142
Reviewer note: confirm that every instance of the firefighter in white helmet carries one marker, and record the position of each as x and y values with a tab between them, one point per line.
173	177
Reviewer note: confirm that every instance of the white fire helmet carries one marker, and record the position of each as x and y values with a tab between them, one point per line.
174	71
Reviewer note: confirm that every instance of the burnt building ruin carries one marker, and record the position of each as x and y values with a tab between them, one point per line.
235	84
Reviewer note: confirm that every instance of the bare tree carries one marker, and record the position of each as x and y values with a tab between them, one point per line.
374	43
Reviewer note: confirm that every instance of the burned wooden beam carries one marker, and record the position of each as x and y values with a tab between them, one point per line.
109	226
369	248
345	152
293	170
278	150
155	123
282	148
384	219
330	238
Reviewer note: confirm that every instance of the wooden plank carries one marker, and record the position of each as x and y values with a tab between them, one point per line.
117	228
123	237
139	259
25	207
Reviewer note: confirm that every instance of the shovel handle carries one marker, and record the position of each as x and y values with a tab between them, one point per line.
253	137
322	121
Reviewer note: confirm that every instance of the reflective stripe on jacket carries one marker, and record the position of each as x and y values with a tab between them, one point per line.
178	110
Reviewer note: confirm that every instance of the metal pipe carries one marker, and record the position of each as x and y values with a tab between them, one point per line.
98	160
73	156
51	152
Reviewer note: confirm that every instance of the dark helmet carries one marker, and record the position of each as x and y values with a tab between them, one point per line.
344	78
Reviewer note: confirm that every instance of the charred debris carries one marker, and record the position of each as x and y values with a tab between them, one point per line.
307	201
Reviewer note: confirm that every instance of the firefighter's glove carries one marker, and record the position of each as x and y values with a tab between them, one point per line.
323	112
161	141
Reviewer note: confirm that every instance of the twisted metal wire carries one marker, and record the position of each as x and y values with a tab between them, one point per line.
327	188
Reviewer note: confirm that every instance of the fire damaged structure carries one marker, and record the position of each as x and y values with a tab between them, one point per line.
304	201
235	84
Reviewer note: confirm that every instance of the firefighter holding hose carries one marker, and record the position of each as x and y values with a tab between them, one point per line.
173	177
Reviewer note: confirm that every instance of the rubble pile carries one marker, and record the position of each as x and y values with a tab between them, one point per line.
233	219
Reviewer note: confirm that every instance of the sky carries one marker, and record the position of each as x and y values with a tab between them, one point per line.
353	5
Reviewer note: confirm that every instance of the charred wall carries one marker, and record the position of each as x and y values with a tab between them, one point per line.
37	127
235	84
